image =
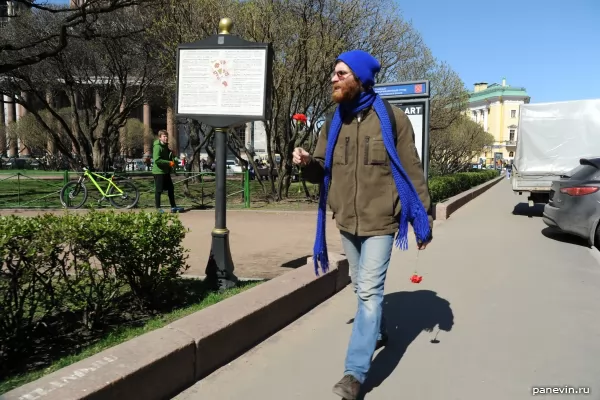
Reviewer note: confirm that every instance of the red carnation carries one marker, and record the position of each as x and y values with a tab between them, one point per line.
416	278
300	118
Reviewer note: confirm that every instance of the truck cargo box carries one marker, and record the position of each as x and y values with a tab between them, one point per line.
552	138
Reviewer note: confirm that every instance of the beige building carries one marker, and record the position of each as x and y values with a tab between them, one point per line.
496	108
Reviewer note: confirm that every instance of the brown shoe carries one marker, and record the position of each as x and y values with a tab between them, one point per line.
347	388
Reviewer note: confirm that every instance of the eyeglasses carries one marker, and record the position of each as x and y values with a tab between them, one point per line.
341	74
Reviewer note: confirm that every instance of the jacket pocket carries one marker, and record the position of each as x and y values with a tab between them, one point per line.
375	152
340	153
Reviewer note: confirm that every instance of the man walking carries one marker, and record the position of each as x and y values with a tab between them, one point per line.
374	183
164	163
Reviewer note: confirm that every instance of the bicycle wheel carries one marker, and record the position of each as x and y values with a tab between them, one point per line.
128	199
69	195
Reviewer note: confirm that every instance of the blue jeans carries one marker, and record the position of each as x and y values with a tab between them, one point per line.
368	258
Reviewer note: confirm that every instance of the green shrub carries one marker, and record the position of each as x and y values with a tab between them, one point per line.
27	252
145	250
84	267
89	286
444	187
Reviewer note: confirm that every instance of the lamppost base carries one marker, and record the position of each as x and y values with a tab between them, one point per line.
219	270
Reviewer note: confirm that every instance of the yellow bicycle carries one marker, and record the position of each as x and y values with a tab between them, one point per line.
121	193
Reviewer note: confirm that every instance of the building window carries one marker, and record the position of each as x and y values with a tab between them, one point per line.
511	154
512	135
513	113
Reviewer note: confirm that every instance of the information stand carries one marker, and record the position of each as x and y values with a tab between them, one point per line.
413	98
223	81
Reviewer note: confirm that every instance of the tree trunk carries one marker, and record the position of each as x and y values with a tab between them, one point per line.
100	156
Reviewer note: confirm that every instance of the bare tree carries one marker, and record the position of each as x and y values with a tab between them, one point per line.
453	148
448	93
307	36
83	22
101	79
315	32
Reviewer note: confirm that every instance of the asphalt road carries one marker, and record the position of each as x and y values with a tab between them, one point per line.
505	307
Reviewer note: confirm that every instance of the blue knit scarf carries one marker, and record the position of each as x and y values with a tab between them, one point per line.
412	209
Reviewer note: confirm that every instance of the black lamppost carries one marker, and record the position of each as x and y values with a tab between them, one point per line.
223	81
219	270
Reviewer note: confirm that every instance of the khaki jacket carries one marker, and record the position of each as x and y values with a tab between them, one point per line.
362	193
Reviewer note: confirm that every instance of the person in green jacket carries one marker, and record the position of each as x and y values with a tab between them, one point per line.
164	163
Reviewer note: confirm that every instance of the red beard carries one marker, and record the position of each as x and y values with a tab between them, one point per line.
345	90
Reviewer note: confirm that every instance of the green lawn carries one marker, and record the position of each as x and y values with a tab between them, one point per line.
41	190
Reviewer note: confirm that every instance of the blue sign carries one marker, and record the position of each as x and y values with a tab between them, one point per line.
415	89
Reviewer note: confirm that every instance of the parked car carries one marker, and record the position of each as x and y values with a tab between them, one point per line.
574	205
137	164
233	167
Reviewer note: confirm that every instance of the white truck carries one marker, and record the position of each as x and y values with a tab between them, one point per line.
552	138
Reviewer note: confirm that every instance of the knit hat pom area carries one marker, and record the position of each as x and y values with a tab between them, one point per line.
364	65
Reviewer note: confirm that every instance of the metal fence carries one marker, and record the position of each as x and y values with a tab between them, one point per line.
31	189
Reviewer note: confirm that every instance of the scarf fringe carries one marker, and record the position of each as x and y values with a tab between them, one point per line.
402	241
323	259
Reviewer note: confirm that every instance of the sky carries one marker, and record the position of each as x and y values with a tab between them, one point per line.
550	47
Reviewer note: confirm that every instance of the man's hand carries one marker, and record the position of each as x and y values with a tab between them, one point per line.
300	156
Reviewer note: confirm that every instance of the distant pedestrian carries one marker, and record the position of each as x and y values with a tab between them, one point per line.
508	170
164	164
374	183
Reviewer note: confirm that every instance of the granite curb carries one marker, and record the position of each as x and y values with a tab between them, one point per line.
443	210
160	364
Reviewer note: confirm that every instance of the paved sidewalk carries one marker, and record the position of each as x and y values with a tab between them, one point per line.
264	244
504	306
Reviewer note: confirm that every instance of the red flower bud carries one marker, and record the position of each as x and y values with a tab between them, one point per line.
299	118
416	278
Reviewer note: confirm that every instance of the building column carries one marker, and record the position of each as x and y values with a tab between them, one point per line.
10	118
172	131
485	119
50	147
98	101
74	125
147	131
123	134
23	149
2	129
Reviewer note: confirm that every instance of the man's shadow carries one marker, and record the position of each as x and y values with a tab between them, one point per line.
407	314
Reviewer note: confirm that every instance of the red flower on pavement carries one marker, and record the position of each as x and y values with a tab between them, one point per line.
416	278
300	118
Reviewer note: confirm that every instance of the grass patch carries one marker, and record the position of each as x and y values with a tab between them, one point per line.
195	192
39	190
52	353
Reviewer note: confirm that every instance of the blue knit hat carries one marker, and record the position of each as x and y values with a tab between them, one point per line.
364	65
